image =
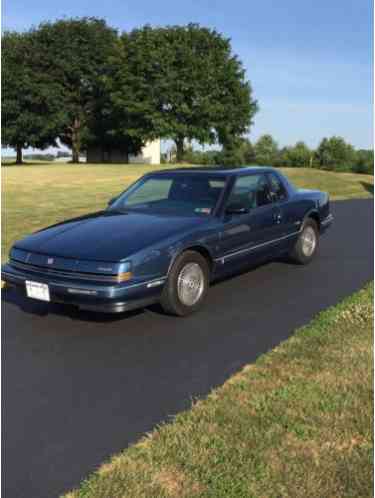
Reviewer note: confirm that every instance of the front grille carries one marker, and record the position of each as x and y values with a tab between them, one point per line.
63	273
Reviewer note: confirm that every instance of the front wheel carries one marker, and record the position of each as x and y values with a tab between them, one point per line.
187	284
307	243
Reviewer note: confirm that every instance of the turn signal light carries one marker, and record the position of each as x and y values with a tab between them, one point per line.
123	277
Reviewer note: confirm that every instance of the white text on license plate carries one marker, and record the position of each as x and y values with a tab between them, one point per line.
37	290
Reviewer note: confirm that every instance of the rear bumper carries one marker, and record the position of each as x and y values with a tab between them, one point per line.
89	295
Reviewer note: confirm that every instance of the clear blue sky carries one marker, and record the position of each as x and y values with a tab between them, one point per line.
309	61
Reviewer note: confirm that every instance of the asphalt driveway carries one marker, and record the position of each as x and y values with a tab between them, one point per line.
79	387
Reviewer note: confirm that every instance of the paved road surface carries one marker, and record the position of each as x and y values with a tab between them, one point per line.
80	387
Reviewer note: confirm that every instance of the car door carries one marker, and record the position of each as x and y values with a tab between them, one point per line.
286	226
253	230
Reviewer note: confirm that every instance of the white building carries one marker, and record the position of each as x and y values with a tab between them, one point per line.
150	154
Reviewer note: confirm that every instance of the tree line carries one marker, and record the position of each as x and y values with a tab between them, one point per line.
79	82
332	154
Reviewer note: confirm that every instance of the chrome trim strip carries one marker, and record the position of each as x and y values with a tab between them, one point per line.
7	274
85	292
327	220
249	249
155	283
148	283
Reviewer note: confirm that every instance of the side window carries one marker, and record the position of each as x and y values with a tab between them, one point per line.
278	192
250	191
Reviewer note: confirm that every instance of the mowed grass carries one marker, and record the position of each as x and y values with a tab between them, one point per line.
37	195
297	423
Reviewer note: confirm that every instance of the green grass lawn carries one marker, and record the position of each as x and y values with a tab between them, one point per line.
297	423
37	195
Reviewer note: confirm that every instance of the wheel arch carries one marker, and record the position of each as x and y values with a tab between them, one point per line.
200	249
314	215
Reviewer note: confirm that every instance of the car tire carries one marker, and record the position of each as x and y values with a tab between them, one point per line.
187	284
307	244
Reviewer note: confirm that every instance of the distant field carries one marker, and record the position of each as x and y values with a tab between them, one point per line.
39	194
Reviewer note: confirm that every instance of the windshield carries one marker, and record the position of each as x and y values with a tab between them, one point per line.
173	194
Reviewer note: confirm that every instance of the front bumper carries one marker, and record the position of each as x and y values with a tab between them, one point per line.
110	298
326	223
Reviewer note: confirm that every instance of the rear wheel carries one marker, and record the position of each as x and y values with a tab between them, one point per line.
187	284
307	243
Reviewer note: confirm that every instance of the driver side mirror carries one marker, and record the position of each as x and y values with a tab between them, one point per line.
236	208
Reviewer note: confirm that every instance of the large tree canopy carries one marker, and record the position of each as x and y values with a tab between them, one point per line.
30	98
77	56
122	114
182	83
335	153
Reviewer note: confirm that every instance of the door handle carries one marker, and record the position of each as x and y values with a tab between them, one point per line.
277	217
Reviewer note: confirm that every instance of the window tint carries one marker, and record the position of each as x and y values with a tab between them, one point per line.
250	191
278	192
176	193
155	189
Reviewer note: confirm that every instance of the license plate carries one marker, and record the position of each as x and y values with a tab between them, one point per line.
36	290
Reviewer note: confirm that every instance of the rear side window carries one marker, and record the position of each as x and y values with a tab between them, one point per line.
250	191
278	192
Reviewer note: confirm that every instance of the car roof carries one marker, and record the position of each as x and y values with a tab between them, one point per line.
217	170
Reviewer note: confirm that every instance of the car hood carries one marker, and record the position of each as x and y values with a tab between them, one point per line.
106	236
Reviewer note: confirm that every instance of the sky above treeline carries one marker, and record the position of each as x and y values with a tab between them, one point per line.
310	63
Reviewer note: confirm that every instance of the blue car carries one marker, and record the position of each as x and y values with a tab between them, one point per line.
167	237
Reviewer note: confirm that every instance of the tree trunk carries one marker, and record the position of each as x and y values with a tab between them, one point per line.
19	155
124	151
75	155
76	140
180	149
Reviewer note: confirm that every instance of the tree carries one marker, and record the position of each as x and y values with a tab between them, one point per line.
183	83
77	56
246	151
237	153
230	155
122	115
266	150
334	153
298	156
364	162
30	100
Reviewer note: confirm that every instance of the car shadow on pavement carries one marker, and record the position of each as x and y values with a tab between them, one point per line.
250	267
41	309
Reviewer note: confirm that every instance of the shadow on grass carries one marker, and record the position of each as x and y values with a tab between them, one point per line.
368	186
25	163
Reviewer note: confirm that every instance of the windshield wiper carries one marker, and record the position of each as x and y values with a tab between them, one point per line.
116	211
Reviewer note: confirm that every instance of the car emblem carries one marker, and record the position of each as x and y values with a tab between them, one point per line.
50	261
